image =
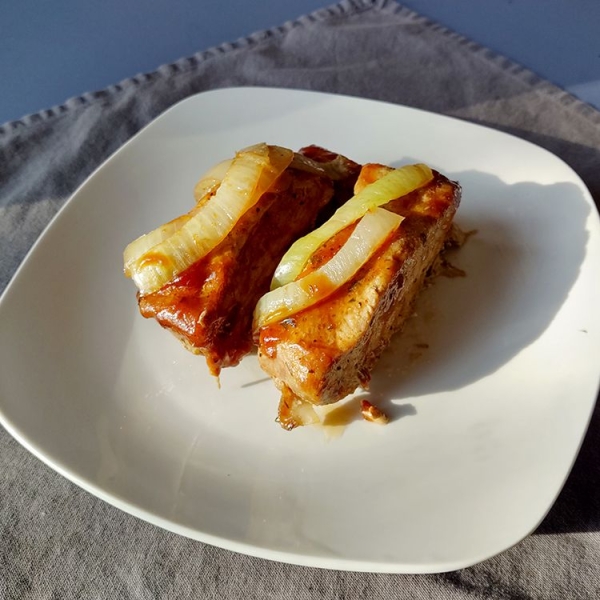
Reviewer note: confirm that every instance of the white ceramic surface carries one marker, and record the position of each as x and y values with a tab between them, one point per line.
486	423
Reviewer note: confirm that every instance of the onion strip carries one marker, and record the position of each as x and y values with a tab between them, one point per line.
205	188
368	236
146	242
395	184
210	181
251	174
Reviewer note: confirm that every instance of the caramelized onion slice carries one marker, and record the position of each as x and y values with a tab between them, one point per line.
204	189
145	242
395	184
251	174
211	180
368	236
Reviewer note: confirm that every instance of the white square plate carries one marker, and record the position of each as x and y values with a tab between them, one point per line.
485	424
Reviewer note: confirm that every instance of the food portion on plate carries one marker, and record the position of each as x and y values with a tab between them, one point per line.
201	275
347	287
315	259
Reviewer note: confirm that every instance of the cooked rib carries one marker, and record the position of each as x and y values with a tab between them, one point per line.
209	306
322	354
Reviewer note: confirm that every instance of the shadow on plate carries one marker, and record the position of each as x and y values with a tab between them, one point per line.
520	266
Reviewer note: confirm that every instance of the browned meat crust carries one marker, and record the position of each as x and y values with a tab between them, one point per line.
209	306
325	352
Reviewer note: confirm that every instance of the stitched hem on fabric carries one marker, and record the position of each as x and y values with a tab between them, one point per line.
343	8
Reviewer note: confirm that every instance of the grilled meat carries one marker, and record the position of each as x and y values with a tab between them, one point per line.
323	353
209	305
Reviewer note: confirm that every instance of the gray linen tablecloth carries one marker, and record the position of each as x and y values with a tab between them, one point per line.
60	542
